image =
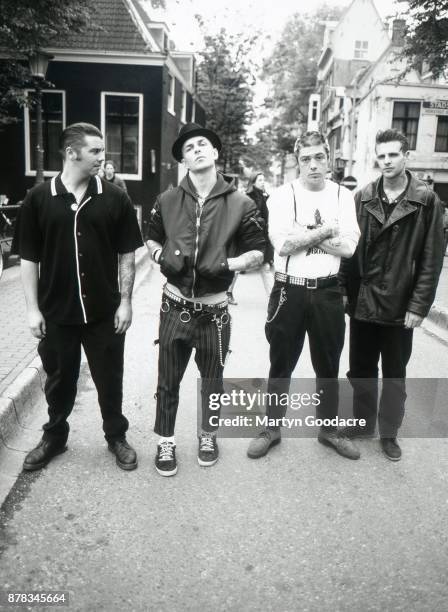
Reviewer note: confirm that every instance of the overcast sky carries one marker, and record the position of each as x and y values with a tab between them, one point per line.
269	16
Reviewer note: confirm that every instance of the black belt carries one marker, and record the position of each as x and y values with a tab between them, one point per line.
308	283
195	308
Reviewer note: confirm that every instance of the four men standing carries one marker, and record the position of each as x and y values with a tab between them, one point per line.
77	236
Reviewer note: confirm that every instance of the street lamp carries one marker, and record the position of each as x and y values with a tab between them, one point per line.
38	66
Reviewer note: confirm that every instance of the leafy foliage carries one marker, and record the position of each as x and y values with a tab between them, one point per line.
225	86
427	34
291	70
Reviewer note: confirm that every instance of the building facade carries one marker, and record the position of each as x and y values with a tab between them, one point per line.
124	76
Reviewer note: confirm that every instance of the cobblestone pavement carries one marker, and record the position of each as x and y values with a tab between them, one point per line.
17	345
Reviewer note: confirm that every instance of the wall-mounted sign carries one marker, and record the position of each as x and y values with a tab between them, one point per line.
435	107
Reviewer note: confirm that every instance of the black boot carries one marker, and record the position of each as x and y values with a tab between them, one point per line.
43	454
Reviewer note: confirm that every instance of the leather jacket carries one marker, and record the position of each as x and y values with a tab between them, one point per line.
197	242
397	262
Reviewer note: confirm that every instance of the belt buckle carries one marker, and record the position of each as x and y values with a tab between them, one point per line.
197	306
311	286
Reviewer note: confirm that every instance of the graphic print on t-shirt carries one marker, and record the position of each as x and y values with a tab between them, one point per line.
317	223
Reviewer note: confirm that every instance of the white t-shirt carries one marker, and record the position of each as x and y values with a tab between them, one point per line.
312	209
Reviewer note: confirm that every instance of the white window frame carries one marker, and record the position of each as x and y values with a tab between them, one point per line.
171	94
362	50
183	112
124	94
27	127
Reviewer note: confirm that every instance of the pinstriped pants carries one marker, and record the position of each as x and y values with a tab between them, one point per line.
176	342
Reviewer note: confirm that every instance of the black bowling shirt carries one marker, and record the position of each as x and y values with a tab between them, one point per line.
77	247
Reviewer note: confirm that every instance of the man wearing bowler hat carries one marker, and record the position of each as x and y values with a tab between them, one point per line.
200	233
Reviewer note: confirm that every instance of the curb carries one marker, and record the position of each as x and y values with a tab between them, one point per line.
439	316
26	390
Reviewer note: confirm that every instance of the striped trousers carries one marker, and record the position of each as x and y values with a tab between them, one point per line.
176	342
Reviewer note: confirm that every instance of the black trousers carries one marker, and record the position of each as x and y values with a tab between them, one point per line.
369	342
176	342
294	311
60	352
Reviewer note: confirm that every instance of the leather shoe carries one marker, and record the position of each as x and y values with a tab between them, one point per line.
356	431
342	445
259	447
391	449
44	452
125	455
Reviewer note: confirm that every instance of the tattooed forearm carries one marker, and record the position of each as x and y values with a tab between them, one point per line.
338	246
303	238
246	261
126	274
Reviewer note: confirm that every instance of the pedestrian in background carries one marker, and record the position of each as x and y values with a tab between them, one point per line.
391	283
110	176
201	233
312	224
256	191
76	239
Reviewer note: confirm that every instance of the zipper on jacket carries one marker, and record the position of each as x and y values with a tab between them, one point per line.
199	206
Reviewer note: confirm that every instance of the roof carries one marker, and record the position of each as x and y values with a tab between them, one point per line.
112	29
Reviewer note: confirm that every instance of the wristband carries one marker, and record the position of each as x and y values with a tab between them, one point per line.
154	254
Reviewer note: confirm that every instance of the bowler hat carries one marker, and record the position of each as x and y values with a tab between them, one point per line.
190	130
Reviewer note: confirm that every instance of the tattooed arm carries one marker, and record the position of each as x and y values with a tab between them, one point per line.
300	238
123	315
246	261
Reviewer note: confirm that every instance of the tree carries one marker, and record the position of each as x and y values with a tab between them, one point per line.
225	85
426	37
291	71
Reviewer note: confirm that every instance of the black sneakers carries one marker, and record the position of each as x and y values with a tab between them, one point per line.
125	455
166	464
391	449
208	449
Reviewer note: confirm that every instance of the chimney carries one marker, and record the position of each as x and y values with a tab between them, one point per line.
398	32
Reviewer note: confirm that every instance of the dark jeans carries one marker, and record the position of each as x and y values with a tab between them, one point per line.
320	314
369	342
60	352
176	342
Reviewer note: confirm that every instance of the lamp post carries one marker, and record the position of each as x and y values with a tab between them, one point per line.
38	67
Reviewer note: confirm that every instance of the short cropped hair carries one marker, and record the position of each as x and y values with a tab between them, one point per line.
310	139
392	135
74	136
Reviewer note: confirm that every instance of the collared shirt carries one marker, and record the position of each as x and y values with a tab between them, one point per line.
292	205
77	247
388	206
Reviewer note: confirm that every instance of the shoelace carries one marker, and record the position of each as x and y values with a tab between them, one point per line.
207	443
166	451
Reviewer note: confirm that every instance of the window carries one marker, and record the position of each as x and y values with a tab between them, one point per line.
183	109
122	124
405	119
53	122
442	135
361	49
171	94
314	109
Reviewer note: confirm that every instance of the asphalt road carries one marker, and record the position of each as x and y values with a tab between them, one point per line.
301	529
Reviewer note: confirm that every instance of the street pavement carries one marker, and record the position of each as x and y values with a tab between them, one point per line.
300	529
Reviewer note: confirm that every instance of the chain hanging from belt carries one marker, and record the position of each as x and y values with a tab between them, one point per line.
282	299
221	320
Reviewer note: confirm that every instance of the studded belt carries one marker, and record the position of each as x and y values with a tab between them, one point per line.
308	283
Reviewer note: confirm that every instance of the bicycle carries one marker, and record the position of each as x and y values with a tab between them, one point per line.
7	225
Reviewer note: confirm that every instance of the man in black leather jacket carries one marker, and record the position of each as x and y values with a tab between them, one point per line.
390	281
200	233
